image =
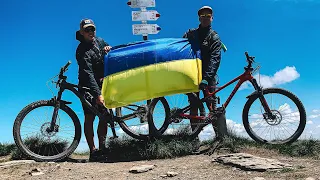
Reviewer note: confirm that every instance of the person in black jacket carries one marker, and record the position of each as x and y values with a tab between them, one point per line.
89	55
210	46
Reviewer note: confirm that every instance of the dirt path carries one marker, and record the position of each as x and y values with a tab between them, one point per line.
189	167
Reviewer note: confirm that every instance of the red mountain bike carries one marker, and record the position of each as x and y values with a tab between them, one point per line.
271	115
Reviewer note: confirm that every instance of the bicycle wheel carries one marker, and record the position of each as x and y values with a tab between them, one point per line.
42	145
137	127
291	112
180	127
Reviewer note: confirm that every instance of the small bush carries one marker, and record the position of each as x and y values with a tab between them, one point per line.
128	149
6	149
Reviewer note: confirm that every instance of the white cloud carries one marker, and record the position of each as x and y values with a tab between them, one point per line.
318	126
314	116
207	133
309	122
283	76
244	85
236	128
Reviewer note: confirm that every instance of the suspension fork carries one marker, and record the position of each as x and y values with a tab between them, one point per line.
261	97
55	111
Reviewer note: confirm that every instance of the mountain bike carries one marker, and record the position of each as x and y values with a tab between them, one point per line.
49	141
271	114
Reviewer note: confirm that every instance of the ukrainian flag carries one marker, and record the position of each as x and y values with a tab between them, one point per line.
148	69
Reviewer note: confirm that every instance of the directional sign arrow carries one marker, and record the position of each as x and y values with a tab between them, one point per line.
138	29
150	15
141	3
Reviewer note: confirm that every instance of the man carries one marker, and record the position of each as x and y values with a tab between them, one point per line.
210	46
89	55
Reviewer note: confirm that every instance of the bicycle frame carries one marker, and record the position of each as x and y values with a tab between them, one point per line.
71	87
246	76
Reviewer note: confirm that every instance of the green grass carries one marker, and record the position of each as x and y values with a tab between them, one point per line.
36	144
128	149
6	149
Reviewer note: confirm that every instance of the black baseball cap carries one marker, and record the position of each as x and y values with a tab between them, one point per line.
84	23
203	8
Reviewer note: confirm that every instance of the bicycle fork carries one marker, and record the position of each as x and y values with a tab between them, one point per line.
53	126
261	98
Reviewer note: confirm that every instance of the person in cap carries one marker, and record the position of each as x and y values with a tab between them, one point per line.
210	45
89	55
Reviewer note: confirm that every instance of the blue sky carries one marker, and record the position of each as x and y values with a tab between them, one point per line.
38	37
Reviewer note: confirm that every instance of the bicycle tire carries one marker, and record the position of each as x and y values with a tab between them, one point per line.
286	93
159	133
133	134
22	114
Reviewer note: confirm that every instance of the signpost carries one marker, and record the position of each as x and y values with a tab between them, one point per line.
150	15
144	15
139	29
141	3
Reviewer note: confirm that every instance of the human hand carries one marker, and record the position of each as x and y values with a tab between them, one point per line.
100	100
107	48
203	84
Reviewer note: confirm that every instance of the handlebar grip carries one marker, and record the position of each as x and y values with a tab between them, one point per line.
247	55
66	66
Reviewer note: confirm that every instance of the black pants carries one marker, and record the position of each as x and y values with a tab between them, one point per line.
212	105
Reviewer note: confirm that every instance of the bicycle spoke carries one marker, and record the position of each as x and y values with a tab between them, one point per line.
282	125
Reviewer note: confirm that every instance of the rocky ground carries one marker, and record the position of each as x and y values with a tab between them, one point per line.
220	165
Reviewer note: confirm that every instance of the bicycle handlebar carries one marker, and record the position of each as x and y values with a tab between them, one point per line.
66	66
64	69
250	59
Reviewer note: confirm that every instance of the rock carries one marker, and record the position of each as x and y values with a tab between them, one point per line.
56	167
142	168
171	174
15	163
310	178
5	159
258	178
36	172
249	162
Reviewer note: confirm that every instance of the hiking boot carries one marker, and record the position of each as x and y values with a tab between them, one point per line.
97	156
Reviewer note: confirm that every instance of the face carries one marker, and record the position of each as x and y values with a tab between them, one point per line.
88	33
205	18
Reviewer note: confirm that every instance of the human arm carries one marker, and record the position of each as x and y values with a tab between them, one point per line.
215	58
86	73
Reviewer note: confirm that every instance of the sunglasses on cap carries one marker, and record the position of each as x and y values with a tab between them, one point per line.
88	29
206	15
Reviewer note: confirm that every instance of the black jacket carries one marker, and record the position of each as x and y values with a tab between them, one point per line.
90	58
210	46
